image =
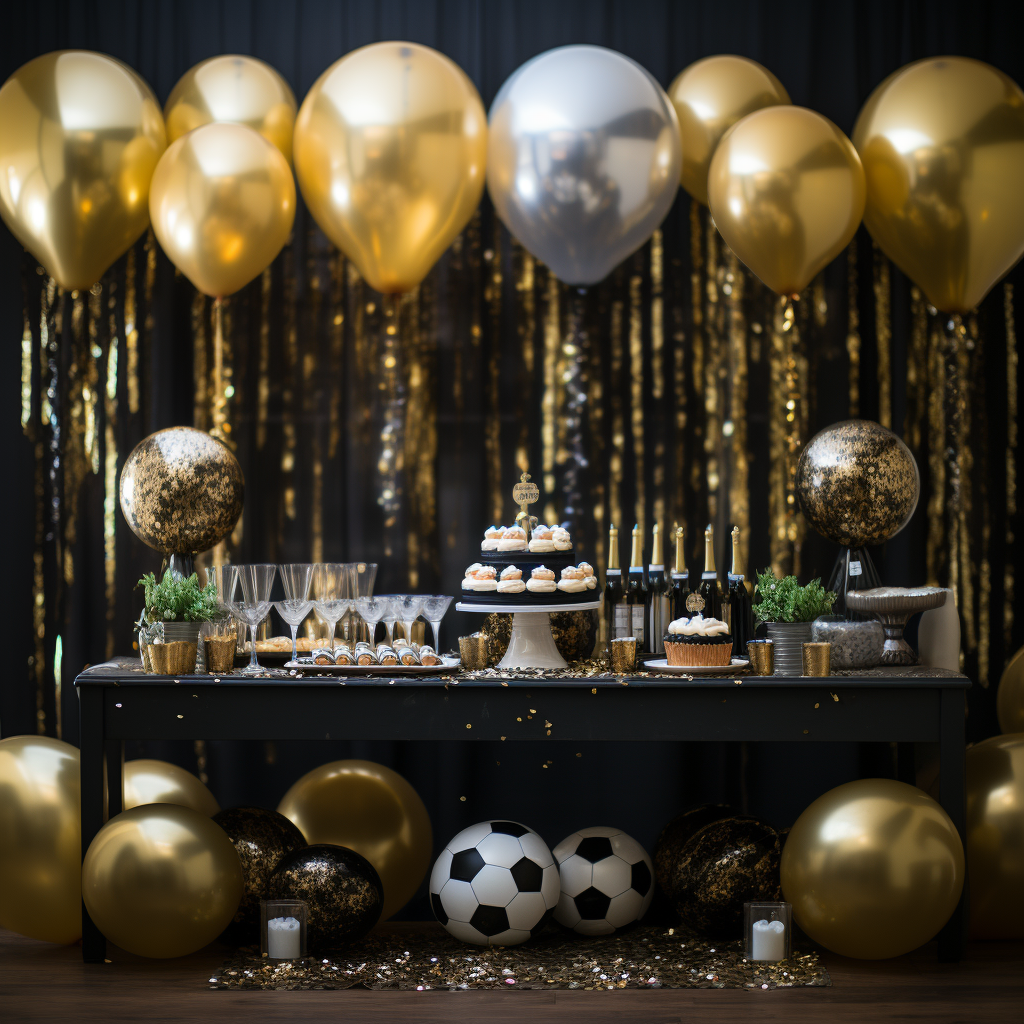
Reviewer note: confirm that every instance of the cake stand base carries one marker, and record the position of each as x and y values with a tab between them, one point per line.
531	644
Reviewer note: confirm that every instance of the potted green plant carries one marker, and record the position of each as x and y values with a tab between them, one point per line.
788	610
176	608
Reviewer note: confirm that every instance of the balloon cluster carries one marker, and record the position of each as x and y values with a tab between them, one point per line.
581	156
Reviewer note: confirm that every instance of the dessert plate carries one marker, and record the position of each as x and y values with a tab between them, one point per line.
662	665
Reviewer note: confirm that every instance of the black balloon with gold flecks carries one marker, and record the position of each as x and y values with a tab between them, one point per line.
675	835
342	889
724	865
261	838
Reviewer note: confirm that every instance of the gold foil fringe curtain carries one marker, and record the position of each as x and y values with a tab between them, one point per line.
679	391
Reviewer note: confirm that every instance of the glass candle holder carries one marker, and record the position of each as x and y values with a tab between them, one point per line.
768	930
283	929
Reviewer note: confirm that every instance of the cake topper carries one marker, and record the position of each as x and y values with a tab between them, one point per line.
523	494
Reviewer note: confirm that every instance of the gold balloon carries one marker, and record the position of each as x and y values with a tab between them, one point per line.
233	88
223	203
390	152
40	839
942	141
161	880
81	136
149	781
1010	695
710	96
995	837
786	189
873	869
372	810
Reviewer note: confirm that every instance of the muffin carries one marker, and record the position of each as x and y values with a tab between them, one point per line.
698	641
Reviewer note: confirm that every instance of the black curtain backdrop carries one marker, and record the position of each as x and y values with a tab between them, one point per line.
829	57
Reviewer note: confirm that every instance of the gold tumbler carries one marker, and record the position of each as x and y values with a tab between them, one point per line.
176	658
220	653
816	658
623	650
473	651
762	657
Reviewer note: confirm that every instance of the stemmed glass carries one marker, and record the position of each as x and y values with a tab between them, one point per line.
408	607
390	616
254	606
333	583
434	608
371	611
225	580
297	580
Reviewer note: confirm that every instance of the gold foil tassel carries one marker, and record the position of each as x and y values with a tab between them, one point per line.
1011	465
735	428
110	490
636	399
713	374
549	399
263	371
660	429
697	339
883	333
618	432
131	334
200	397
853	329
492	420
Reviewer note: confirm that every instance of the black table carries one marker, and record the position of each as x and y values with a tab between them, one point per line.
905	706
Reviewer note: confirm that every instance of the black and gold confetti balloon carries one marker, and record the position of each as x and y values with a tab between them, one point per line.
342	889
724	865
675	835
574	633
261	838
181	491
857	483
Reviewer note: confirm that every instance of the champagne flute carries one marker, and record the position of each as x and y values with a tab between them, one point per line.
254	606
297	579
225	580
332	596
409	607
434	608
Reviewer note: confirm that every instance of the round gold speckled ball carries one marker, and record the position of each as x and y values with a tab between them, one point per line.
342	889
261	838
674	837
574	633
857	483
181	491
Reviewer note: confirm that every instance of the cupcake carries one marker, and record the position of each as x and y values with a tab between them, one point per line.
588	575
511	581
541	581
561	539
513	540
541	542
492	535
698	641
572	580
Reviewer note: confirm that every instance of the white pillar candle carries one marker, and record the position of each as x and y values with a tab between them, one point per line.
283	938
768	941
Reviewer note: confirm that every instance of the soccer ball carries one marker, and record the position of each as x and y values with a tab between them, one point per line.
607	881
495	884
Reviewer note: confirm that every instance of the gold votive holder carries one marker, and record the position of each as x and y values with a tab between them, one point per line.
176	658
220	653
761	654
473	651
623	658
816	658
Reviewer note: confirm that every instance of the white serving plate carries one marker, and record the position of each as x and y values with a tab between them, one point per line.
447	665
662	665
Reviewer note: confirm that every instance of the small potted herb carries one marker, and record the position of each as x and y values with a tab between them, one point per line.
176	608
788	611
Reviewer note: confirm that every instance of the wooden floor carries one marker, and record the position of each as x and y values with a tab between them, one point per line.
40	982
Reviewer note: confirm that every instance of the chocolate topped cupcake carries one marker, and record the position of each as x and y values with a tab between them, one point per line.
698	641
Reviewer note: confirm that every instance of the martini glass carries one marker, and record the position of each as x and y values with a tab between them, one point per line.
390	616
332	593
408	607
297	580
254	606
371	611
434	608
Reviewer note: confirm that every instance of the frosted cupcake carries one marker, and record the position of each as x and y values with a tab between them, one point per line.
541	541
513	540
541	581
572	580
492	535
561	539
588	575
511	581
698	641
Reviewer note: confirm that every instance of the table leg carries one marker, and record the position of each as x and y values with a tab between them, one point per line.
953	937
91	743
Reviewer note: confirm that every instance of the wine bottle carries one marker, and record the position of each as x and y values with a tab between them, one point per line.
636	592
680	588
614	621
741	609
710	590
657	596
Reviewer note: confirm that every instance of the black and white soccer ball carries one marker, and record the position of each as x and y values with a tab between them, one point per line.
495	884
607	881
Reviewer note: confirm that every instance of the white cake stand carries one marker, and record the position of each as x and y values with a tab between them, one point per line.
531	644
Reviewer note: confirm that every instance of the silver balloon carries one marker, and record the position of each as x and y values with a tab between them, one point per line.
583	159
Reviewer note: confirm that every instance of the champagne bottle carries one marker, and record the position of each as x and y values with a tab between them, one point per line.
614	620
741	609
657	596
710	590
636	592
680	589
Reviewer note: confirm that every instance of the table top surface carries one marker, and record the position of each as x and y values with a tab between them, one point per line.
123	672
